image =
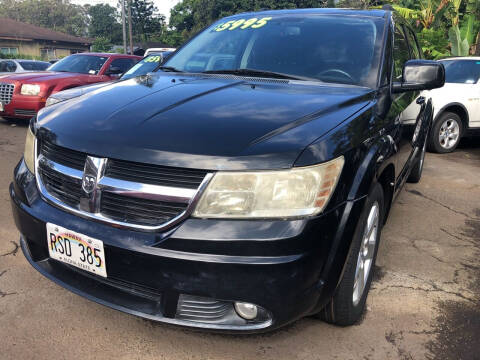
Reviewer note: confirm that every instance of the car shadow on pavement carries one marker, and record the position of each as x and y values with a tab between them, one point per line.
14	122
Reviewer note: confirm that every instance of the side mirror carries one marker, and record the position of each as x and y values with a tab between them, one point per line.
114	71
420	75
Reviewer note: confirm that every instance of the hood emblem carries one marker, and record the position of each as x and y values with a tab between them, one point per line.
92	174
88	183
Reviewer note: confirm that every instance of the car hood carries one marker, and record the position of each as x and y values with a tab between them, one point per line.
41	76
207	122
78	91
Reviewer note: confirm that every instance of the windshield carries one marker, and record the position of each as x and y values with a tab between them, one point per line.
146	65
462	71
329	48
34	65
83	64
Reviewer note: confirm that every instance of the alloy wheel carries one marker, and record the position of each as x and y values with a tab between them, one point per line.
366	253
449	133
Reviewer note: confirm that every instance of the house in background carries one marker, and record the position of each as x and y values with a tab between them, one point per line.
21	38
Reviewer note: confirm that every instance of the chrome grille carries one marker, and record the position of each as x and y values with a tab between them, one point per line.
64	188
145	197
156	175
128	170
6	92
139	211
64	156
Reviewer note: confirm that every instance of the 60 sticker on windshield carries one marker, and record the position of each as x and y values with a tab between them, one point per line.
242	24
153	59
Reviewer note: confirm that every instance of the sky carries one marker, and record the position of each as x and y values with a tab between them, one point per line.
163	6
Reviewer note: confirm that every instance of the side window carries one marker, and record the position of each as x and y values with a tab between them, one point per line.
416	54
123	64
7	66
401	54
11	66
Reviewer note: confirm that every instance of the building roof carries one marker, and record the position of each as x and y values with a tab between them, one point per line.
16	30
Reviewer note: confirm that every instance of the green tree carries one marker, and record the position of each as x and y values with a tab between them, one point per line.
190	16
359	4
146	21
432	19
101	44
104	22
445	27
58	15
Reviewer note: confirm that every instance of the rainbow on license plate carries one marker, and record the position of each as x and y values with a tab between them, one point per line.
76	249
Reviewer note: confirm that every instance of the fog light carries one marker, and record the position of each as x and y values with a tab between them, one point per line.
246	310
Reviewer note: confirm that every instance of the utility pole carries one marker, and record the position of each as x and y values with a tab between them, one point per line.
123	27
130	25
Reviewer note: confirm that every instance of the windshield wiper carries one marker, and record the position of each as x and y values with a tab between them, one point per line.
260	73
167	69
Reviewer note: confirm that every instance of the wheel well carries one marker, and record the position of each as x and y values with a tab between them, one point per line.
456	109
387	180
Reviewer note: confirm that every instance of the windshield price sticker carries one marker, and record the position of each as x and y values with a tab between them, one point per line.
242	24
153	59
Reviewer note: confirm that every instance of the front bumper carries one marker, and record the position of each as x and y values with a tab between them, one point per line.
23	107
288	268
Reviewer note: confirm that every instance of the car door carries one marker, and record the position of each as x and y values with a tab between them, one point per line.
472	92
403	103
463	86
123	64
475	119
99	65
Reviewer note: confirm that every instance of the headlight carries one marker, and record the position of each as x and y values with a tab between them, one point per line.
29	153
30	89
53	100
270	194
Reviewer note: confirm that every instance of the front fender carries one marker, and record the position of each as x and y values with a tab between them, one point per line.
379	156
376	160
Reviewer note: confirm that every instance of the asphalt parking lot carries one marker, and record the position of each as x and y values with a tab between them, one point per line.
424	303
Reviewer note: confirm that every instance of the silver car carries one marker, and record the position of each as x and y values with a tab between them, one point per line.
9	66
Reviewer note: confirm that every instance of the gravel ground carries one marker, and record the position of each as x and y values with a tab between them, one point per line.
424	303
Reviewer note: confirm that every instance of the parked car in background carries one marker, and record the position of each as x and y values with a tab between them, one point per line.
158	51
143	67
9	66
23	95
164	55
243	186
457	104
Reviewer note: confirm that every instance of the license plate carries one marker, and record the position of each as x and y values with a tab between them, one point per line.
76	249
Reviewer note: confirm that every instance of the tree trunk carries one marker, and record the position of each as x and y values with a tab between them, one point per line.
476	48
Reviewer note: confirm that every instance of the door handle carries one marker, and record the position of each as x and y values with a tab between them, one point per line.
421	100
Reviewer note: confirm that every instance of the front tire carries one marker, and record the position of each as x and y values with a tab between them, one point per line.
446	133
348	303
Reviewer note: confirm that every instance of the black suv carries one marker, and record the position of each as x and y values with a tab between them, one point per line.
244	184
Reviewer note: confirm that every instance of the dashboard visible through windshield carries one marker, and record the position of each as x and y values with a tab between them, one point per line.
328	48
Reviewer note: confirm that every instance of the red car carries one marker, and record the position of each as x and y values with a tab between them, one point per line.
23	95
